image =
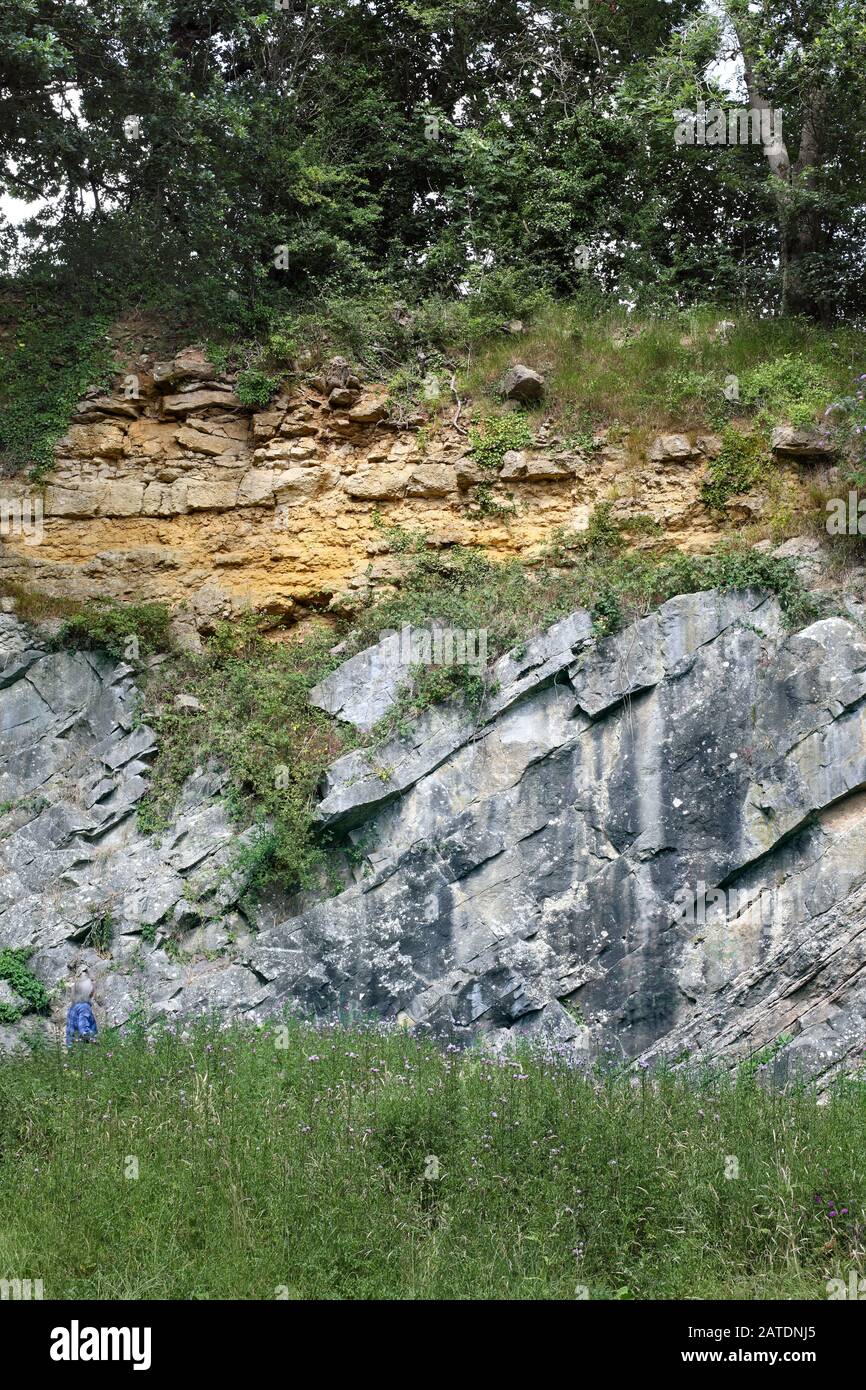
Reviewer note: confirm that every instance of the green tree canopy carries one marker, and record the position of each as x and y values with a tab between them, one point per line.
241	154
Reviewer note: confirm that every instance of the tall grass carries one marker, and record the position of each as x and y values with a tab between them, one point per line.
656	373
338	1162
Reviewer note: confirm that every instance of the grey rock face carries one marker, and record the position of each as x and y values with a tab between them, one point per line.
640	846
533	873
73	767
10	997
363	688
361	781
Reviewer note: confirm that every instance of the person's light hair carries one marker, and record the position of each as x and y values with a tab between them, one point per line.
82	990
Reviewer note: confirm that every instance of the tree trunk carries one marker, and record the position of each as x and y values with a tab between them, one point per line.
800	229
800	238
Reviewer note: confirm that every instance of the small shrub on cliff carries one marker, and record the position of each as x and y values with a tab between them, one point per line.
13	969
406	394
792	387
100	934
255	387
282	343
491	440
219	354
740	465
485	504
126	631
606	612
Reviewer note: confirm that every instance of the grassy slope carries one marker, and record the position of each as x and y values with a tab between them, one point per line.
652	374
303	1166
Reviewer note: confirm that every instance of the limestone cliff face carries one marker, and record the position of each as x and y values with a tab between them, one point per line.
183	496
651	844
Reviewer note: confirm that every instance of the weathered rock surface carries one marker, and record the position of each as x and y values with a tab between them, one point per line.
532	871
179	490
188	401
189	365
812	445
74	762
673	448
521	383
643	845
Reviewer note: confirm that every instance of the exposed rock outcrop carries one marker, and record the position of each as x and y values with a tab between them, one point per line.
74	762
169	488
646	844
812	445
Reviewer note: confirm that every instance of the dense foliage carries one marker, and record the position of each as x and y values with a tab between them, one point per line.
31	993
235	157
126	631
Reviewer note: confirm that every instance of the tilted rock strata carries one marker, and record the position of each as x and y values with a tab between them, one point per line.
653	843
532	881
74	763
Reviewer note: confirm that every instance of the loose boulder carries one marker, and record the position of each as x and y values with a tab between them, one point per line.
522	384
672	448
189	365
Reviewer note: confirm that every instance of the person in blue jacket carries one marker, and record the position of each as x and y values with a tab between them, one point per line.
80	1023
